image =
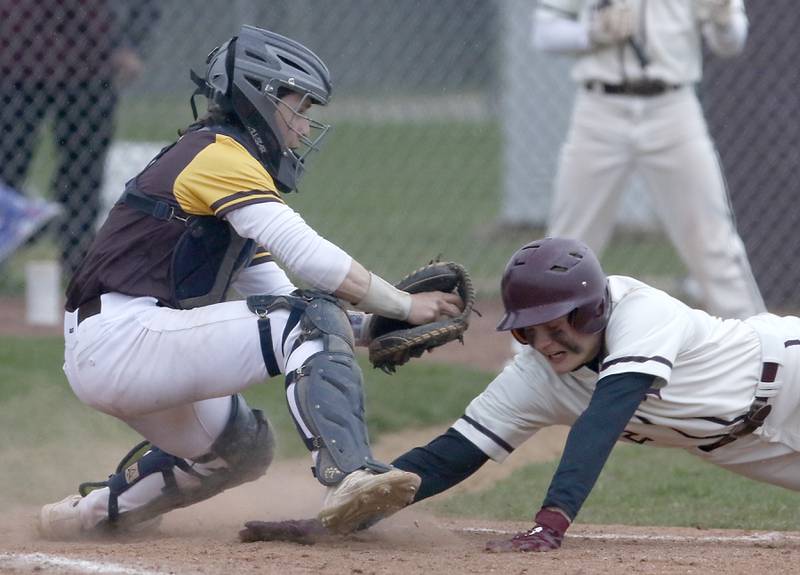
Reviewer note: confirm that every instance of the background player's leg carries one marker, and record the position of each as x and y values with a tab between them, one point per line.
83	123
594	168
691	198
22	108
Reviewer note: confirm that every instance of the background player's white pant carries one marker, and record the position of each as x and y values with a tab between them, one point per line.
665	140
169	374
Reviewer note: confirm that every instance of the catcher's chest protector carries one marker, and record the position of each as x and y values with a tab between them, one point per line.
207	256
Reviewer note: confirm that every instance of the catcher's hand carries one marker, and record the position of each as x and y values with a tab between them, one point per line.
394	342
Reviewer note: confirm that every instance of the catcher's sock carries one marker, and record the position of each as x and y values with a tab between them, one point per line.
366	497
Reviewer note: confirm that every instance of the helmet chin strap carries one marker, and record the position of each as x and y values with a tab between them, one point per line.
202	89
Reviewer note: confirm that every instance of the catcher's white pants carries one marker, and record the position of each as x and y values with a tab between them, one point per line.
665	140
169	374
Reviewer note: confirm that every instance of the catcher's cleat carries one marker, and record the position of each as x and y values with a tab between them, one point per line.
363	498
61	520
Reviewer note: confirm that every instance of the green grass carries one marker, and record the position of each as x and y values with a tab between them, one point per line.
51	441
154	119
396	195
644	486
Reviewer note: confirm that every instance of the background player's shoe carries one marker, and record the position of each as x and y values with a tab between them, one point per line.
61	520
21	218
364	497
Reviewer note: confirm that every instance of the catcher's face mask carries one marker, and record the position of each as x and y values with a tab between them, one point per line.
249	75
299	133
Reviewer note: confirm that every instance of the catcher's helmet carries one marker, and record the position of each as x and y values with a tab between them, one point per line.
248	74
553	277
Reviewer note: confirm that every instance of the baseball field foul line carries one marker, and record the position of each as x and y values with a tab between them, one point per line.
771	537
45	561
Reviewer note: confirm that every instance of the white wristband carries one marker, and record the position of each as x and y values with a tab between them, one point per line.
382	298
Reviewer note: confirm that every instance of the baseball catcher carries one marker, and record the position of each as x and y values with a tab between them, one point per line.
152	339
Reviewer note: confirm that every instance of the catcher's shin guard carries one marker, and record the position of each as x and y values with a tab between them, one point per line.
243	451
327	397
329	401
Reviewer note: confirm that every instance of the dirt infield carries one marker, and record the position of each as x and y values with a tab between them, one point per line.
203	538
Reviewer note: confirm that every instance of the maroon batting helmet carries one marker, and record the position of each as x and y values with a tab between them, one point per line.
553	277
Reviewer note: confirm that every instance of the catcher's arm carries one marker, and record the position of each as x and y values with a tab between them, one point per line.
372	294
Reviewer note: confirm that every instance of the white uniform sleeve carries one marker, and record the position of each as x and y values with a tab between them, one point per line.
729	40
302	251
509	410
557	32
644	335
263	279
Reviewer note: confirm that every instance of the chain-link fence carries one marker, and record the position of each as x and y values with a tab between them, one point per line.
447	127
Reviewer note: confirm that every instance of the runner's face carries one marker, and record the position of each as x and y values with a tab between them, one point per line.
565	348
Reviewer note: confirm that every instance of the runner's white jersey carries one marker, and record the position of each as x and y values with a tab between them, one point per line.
706	370
670	32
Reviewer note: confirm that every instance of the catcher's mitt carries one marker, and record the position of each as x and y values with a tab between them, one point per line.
394	342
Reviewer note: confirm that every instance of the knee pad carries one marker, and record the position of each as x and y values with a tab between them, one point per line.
245	449
246	444
319	315
325	319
